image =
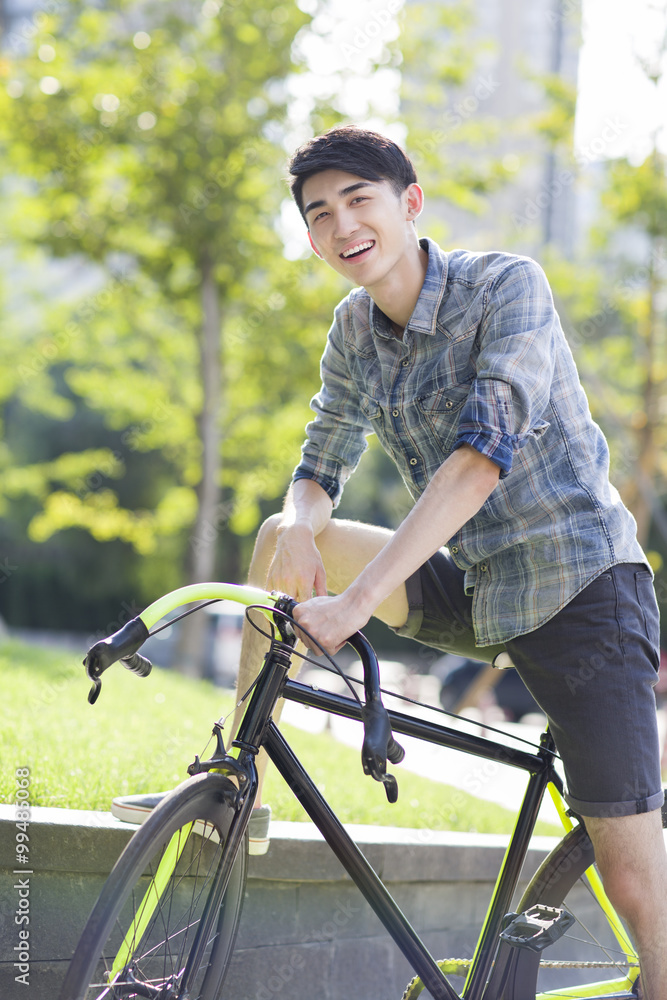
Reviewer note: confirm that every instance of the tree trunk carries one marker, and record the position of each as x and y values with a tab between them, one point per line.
202	542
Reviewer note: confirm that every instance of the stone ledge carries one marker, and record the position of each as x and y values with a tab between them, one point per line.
305	930
61	841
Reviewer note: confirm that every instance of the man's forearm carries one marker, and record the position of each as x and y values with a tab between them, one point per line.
306	504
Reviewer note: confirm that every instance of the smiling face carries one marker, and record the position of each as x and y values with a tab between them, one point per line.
362	228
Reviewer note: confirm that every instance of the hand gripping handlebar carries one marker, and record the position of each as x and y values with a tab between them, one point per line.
379	744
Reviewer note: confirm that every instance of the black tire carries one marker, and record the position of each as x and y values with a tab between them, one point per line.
163	949
560	882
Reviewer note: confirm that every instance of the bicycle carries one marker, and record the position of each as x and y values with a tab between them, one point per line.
165	923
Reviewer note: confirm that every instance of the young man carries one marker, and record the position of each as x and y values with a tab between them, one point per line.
457	361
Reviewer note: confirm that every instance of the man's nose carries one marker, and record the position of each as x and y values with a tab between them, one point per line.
346	225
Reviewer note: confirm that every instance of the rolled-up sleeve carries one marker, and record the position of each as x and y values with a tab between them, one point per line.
336	438
514	368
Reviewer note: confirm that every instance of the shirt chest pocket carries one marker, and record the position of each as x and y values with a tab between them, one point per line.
440	411
446	401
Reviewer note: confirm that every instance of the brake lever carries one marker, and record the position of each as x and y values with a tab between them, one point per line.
378	746
390	787
94	692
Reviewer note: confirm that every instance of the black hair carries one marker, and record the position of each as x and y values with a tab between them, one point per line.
355	150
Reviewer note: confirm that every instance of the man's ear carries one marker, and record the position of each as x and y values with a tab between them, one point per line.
313	245
415	201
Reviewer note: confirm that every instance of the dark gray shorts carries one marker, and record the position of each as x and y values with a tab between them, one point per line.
591	668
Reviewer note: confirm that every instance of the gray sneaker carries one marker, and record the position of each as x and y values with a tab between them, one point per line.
136	808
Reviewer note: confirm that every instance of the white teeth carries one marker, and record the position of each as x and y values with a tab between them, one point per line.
358	248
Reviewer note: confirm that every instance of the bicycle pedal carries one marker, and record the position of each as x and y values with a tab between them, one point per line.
538	927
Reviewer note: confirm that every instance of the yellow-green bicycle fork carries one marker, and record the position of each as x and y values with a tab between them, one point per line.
151	899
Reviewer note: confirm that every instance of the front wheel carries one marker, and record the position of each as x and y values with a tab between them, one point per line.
174	879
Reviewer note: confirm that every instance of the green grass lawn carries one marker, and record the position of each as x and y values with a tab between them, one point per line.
142	734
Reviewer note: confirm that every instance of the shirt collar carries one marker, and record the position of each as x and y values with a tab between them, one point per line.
424	317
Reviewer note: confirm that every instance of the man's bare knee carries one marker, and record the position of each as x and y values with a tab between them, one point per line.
265	544
346	548
268	529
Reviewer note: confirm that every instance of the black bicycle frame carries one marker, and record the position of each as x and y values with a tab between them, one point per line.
540	767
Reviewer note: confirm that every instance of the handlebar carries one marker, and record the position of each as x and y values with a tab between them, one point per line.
122	645
378	745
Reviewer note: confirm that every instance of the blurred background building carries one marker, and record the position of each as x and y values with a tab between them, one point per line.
523	50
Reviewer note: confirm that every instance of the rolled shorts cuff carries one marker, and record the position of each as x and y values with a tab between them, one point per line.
415	617
608	810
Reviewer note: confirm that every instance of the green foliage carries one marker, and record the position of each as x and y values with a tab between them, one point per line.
556	122
634	202
155	144
637	195
144	142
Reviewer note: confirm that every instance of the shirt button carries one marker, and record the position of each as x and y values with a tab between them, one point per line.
405	363
394	413
413	461
454	549
448	404
483	567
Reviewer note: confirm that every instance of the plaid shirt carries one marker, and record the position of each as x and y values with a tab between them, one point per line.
483	361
